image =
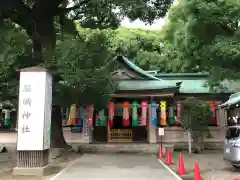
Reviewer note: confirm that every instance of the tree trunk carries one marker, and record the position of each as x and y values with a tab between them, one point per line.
57	138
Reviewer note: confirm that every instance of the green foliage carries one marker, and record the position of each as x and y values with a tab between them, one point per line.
203	35
195	116
83	67
141	46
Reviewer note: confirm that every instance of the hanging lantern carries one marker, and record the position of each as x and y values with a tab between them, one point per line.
171	115
178	110
154	113
212	106
134	113
90	114
126	114
110	113
163	120
144	105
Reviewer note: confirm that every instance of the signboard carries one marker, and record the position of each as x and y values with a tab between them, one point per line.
161	131
34	112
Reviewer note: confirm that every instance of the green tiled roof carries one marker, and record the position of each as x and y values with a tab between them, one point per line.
146	85
128	64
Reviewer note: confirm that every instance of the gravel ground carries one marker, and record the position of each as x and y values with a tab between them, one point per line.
8	162
212	166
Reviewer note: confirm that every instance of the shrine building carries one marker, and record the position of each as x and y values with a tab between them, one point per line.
147	100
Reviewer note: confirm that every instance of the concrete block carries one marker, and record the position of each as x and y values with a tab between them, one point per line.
36	171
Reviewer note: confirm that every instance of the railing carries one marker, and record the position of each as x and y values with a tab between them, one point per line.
120	135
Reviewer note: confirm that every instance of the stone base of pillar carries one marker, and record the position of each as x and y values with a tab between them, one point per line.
37	171
32	163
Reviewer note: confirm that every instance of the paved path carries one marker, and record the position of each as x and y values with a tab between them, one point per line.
116	167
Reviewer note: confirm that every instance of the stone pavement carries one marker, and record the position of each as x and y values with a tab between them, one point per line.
115	166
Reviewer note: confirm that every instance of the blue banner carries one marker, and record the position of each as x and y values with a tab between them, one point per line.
154	113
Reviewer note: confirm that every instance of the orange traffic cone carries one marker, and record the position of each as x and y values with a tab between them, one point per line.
181	168
160	152
168	160
197	175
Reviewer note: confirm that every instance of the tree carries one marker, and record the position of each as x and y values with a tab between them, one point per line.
139	45
203	35
37	17
195	120
83	65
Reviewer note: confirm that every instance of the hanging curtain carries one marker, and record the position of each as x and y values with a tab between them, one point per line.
163	120
154	113
212	105
126	114
81	115
144	105
101	118
90	114
171	115
134	113
179	111
72	115
77	120
67	115
110	113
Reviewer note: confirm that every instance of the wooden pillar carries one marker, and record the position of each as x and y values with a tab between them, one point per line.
34	121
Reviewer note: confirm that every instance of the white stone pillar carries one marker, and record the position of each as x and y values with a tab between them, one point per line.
34	121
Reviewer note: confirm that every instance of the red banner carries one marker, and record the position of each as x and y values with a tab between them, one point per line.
212	105
144	105
90	114
110	113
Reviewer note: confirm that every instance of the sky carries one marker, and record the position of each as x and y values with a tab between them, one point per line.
139	24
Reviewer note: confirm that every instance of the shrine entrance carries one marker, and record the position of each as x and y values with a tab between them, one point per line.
121	123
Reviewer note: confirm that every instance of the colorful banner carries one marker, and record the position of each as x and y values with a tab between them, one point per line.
126	114
171	115
81	115
212	105
90	114
163	120
179	111
101	118
144	105
154	113
135	113
72	115
110	113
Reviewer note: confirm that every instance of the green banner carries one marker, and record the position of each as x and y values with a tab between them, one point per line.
134	113
171	115
101	119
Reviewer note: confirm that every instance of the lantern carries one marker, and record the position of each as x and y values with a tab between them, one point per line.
163	120
144	105
110	113
134	113
154	113
126	114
